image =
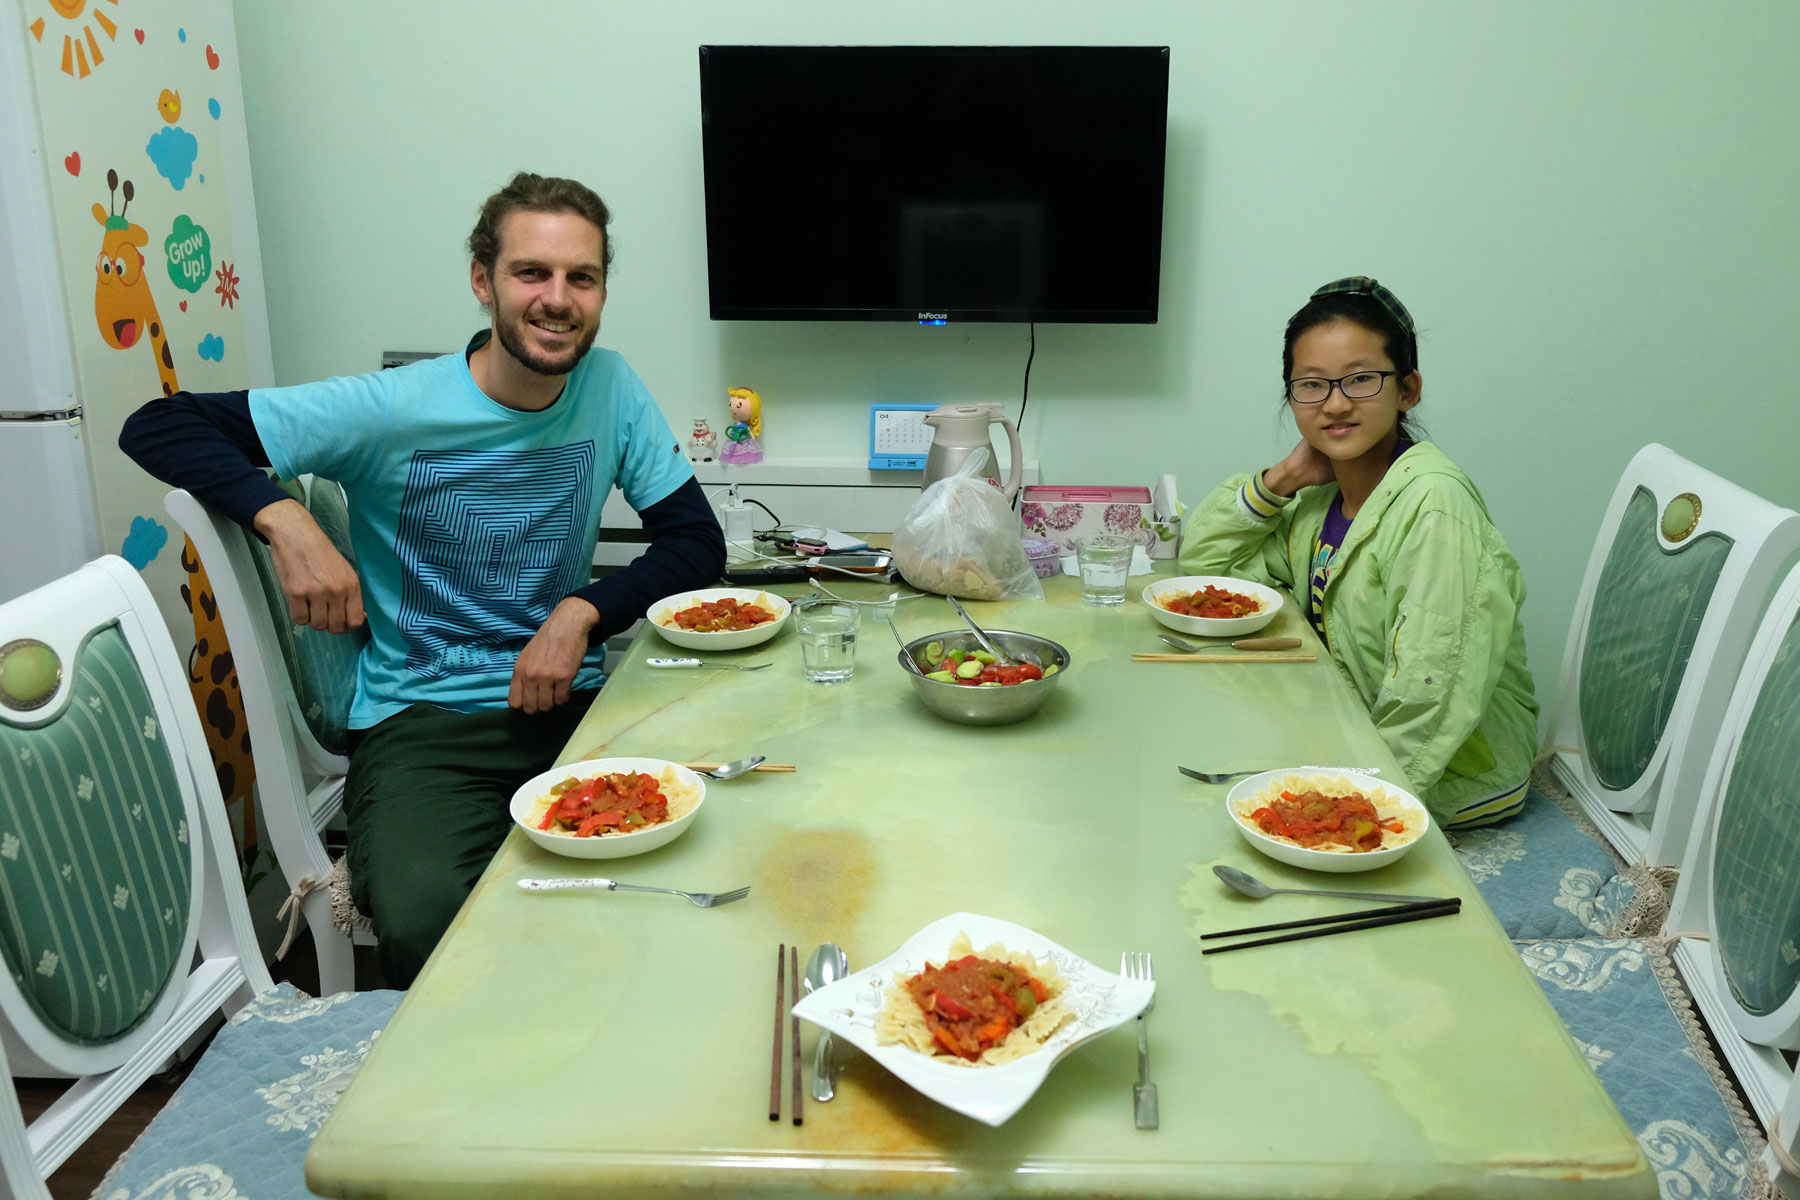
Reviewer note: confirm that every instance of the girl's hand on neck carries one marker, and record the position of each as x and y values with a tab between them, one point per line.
1303	467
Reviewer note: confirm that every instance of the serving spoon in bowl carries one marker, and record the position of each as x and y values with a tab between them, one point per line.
904	656
1249	885
981	637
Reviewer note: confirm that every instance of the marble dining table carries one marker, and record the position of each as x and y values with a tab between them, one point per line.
615	1044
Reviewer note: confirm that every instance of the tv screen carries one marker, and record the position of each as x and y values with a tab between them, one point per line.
934	183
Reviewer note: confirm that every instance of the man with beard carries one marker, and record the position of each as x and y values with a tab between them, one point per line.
475	483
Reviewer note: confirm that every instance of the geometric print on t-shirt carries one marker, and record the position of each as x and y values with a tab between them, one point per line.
489	541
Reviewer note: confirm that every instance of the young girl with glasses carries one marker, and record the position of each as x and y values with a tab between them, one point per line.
1392	554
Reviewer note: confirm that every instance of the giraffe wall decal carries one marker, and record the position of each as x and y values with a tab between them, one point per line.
123	304
126	313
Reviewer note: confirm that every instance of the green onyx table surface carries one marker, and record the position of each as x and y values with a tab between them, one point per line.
606	1043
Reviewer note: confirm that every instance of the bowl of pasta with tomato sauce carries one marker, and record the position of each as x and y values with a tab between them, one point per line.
609	807
719	618
1212	605
1327	820
974	1011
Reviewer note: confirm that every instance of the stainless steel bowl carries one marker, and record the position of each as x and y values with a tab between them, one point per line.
985	705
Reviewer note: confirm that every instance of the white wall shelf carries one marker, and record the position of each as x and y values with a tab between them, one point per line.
837	493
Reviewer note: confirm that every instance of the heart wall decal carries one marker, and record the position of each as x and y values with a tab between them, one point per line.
212	58
73	162
139	34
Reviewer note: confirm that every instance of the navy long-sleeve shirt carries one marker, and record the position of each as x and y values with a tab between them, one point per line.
207	443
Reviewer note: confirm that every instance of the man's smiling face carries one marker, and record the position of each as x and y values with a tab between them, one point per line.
546	290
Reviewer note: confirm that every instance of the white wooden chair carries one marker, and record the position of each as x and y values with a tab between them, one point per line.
1682	566
1736	912
297	684
126	935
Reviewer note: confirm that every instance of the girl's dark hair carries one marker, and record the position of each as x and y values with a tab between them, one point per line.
538	193
1364	302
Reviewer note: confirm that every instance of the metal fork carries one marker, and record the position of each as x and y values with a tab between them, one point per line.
1223	776
1135	964
701	662
702	899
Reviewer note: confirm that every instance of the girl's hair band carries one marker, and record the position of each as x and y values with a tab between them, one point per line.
1362	285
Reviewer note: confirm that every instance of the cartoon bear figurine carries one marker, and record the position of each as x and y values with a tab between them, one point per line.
703	442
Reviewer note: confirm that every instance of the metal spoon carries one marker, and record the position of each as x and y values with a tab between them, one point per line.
1257	643
1256	889
732	770
904	656
828	964
1000	656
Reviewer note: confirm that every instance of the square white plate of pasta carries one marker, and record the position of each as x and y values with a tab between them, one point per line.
1074	1003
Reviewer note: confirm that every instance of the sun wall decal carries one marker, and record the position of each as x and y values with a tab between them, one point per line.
228	286
81	49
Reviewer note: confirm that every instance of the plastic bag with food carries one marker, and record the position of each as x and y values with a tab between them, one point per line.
961	538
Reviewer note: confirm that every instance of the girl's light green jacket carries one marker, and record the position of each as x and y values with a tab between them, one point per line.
1421	616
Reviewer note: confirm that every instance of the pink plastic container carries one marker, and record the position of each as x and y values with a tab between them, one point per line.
1045	556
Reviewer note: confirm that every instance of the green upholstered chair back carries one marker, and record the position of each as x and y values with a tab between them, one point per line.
97	854
1756	854
321	665
1647	611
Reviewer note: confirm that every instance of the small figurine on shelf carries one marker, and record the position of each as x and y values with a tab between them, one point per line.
743	437
703	442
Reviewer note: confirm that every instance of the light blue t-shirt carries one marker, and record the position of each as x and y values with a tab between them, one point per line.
470	520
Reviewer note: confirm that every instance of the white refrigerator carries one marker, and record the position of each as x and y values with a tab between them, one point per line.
47	521
129	266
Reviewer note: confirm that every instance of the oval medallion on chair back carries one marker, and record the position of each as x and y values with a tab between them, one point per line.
93	905
1646	613
321	665
1756	857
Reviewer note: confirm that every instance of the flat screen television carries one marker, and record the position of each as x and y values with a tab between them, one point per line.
936	184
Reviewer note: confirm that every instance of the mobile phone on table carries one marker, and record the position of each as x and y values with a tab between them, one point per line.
865	563
766	573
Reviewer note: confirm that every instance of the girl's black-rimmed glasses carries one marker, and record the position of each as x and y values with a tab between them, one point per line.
1358	385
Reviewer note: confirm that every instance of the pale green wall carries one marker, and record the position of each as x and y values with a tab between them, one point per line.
1589	208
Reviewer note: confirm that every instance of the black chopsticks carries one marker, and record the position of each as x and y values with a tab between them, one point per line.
1392	914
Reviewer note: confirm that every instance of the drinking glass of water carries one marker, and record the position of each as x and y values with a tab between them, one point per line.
1105	562
827	630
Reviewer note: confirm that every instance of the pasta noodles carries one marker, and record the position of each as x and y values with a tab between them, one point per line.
902	1021
682	798
1389	807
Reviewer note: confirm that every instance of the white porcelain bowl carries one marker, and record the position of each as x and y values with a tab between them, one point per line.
849	1008
1389	801
1183	585
527	811
661	614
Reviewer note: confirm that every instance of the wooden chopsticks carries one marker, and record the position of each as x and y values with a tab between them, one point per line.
787	968
794	983
775	1061
1267	656
782	768
1392	914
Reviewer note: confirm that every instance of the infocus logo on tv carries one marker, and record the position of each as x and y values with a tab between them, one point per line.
934	318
